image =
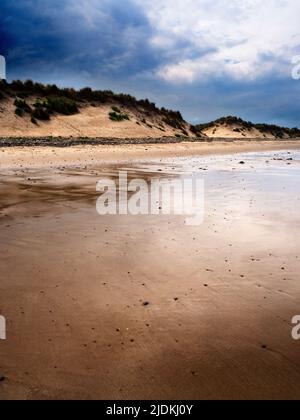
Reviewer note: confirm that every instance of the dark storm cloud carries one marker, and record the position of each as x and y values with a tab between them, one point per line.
107	44
45	35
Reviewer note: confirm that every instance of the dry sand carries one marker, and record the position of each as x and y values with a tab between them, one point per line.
221	295
30	157
91	121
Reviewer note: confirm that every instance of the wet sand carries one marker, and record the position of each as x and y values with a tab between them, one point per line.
220	296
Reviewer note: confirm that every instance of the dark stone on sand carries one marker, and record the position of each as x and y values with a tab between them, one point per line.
78	141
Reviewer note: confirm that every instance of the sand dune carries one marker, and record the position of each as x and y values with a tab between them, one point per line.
237	128
91	121
233	131
34	110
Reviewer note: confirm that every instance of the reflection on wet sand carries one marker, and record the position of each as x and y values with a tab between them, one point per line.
146	307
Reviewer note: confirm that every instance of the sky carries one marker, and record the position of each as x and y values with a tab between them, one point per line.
205	58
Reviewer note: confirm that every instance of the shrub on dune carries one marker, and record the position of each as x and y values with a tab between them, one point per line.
116	109
19	112
41	113
22	107
62	105
115	116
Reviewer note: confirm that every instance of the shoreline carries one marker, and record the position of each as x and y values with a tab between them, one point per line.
22	157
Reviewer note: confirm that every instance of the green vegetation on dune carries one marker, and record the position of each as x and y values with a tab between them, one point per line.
53	95
20	103
43	109
22	107
116	109
61	105
114	116
276	131
173	122
117	115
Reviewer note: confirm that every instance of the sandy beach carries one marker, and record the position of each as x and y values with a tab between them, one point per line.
123	307
32	157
